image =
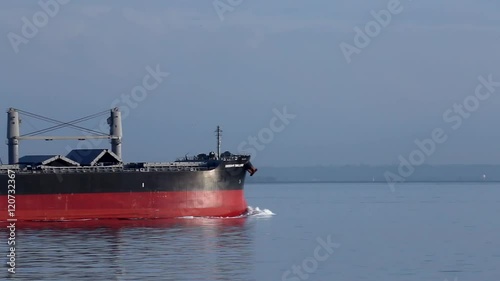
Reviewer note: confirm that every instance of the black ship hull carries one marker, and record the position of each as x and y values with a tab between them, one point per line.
127	194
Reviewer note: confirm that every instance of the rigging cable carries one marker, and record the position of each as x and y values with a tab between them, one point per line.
63	124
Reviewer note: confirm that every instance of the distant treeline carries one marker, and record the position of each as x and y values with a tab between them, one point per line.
365	173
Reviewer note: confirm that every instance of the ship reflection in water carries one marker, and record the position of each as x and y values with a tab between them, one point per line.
174	249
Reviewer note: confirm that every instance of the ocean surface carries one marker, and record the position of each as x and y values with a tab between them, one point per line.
327	231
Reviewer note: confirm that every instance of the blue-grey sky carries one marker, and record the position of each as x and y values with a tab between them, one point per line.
263	56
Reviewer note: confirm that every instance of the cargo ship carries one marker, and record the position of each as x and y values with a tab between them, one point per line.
97	184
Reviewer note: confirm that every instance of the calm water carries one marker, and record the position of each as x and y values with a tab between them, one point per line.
419	232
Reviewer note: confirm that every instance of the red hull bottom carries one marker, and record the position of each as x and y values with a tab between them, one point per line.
137	205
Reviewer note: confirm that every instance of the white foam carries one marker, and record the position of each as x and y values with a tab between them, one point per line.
257	212
250	212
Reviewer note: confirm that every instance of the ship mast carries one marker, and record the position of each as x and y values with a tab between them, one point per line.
115	131
13	135
219	140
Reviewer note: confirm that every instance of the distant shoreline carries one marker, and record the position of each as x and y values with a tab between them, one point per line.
374	182
378	174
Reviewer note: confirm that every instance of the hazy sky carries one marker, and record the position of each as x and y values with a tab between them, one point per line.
263	56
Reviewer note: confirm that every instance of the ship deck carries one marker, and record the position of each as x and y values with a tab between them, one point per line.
127	167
